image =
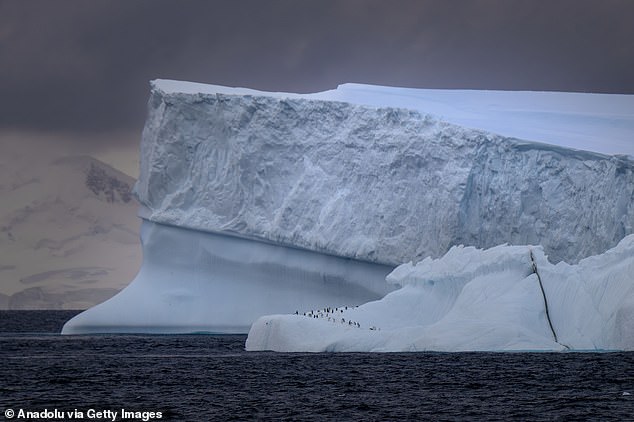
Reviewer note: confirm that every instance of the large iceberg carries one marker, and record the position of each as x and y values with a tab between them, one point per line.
506	298
257	203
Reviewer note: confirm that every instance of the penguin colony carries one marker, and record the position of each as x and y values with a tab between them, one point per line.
333	315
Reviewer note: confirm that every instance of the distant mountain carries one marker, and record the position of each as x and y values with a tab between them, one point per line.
68	229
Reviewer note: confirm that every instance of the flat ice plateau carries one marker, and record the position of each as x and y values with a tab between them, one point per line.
476	300
262	203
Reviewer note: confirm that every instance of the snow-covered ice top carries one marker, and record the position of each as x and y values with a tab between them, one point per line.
601	123
334	173
473	299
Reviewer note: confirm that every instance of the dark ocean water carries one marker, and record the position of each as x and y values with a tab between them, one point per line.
202	377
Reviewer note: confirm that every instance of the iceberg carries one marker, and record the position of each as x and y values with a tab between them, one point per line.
258	203
506	298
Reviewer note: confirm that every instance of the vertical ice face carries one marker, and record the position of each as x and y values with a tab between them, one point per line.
377	184
574	203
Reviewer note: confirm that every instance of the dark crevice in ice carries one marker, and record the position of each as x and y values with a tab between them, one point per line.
541	287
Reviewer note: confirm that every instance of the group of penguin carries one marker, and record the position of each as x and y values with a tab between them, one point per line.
329	313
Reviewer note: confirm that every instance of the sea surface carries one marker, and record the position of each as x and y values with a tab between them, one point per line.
208	378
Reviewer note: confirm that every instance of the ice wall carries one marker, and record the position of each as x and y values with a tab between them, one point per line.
377	184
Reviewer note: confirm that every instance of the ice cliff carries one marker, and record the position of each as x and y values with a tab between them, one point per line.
378	184
258	203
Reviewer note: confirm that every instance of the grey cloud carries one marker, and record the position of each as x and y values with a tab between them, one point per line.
77	65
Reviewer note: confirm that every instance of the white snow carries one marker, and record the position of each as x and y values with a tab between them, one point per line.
474	300
594	122
601	123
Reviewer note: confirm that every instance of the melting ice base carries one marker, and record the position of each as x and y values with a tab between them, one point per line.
194	281
474	300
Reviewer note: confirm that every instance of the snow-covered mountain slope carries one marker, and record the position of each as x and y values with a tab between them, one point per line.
378	184
503	298
68	228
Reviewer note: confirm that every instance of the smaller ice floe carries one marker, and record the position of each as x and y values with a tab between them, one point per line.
506	298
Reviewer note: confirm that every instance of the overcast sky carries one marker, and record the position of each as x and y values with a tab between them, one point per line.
76	65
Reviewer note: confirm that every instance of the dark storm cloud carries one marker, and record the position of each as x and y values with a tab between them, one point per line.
85	65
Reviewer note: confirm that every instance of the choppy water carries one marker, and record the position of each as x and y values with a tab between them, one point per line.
202	377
